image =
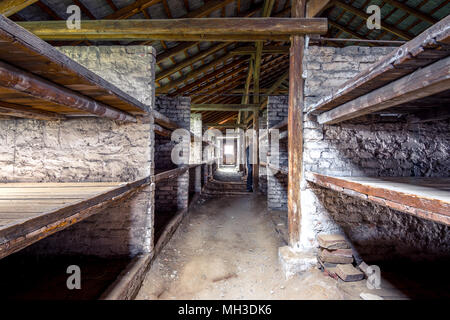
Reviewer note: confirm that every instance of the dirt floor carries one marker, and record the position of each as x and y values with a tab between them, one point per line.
227	248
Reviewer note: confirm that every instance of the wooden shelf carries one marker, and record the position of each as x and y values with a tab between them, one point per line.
427	198
389	83
30	212
52	77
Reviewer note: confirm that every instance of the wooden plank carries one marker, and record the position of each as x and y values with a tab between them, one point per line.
427	48
10	7
20	48
34	86
190	60
295	128
421	197
217	29
422	83
19	234
249	50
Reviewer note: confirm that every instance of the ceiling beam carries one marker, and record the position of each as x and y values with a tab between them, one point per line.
266	50
316	7
217	29
10	7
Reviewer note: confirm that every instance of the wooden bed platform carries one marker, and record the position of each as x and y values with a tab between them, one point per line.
30	212
37	81
427	198
415	71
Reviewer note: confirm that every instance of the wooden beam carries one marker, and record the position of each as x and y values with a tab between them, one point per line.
131	9
16	79
217	125
189	61
10	7
224	70
295	128
217	29
249	50
316	7
20	111
222	107
422	83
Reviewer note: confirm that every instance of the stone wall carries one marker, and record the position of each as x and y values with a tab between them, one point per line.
277	182
91	149
367	148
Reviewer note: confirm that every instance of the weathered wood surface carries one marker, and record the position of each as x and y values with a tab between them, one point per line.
427	48
169	174
18	86
424	82
21	49
427	198
29	213
10	7
295	127
190	29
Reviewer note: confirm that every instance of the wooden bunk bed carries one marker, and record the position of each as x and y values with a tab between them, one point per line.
30	212
414	80
39	82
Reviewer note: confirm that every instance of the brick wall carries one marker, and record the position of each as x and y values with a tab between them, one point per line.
277	182
263	149
171	195
367	148
92	150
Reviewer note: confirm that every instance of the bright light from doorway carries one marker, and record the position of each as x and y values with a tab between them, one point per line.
229	149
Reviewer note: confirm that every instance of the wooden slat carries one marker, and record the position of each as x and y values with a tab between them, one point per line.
19	111
295	127
217	29
430	46
10	7
41	89
427	198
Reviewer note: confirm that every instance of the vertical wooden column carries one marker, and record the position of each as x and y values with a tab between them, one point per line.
295	126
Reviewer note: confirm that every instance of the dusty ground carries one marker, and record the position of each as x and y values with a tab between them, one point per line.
227	249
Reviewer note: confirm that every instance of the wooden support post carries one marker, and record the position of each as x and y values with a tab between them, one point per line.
295	127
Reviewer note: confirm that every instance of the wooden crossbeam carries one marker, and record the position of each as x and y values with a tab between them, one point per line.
187	62
213	29
10	7
131	9
27	83
205	79
316	7
422	83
